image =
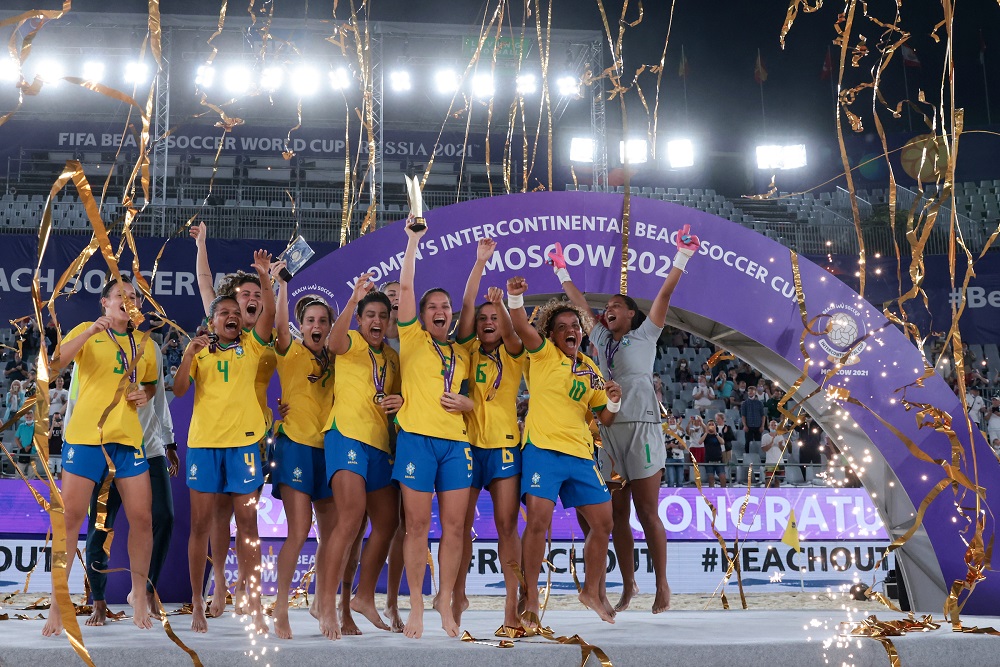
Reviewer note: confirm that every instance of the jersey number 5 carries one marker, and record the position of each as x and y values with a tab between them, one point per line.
223	367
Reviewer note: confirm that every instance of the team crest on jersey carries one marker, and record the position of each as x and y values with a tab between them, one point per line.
297	474
535	479
626	341
352	456
193	471
69	454
239	351
410	469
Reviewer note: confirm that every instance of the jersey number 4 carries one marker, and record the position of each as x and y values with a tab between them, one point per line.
223	367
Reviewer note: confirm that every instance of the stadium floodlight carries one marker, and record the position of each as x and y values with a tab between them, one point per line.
581	149
205	77
680	153
50	71
636	150
271	78
339	79
482	85
527	84
136	72
93	70
400	81
568	86
304	80
771	156
237	79
446	81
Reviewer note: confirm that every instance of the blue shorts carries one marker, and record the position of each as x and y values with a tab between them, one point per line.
432	464
491	464
235	470
298	467
88	461
549	474
343	453
714	469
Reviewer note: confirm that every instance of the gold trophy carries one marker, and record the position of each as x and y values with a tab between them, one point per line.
416	202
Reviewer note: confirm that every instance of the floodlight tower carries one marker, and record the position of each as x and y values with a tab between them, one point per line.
597	117
378	71
161	124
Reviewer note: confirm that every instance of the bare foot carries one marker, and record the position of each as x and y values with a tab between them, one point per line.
448	619
100	615
218	606
240	600
510	616
530	614
593	602
140	611
329	625
626	598
153	606
414	627
367	609
348	628
395	621
282	630
259	622
314	608
603	596
199	623
662	601
53	626
459	603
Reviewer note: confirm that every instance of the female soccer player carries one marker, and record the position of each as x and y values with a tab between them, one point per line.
223	461
247	289
634	446
357	451
111	365
557	460
498	362
432	448
298	476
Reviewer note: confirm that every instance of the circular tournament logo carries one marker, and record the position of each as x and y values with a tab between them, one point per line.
846	327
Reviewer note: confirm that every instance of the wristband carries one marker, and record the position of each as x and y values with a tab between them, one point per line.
563	276
171	446
515	301
680	261
614	406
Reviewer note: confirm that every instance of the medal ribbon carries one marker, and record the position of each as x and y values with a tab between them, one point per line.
378	378
491	394
323	361
448	363
581	369
610	350
125	360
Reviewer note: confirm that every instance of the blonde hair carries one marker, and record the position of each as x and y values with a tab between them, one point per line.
547	312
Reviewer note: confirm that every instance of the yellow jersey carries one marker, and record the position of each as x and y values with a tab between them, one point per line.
308	400
355	414
561	394
224	380
100	369
423	383
268	362
493	423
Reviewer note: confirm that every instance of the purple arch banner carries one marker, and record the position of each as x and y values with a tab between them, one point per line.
744	282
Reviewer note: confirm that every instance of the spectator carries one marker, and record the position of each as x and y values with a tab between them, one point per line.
746	375
752	416
24	439
16	369
695	429
168	381
15	399
724	386
696	343
714	447
28	387
172	351
51	334
810	445
703	394
993	425
673	471
58	397
30	340
977	407
723	428
771	404
658	388
56	444
739	395
773	446
678	339
682	373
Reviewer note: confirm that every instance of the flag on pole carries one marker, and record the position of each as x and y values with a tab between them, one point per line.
982	49
683	70
910	58
827	70
759	72
791	535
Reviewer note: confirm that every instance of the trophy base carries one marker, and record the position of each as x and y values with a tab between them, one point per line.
418	224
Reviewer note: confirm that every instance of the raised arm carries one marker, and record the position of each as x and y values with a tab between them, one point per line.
206	285
407	311
516	287
467	319
687	245
262	264
559	267
339	342
511	340
182	378
284	336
